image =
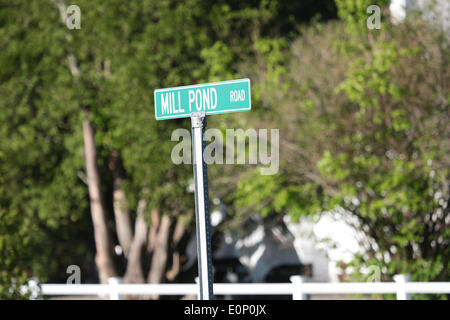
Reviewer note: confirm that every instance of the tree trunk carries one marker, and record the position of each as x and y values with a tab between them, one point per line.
134	273
121	213
103	240
153	231
159	258
176	238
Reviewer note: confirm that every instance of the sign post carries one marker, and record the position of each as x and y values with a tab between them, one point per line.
205	275
196	102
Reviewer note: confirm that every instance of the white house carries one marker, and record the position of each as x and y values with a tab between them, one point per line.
432	10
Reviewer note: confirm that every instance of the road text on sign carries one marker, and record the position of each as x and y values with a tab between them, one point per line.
212	98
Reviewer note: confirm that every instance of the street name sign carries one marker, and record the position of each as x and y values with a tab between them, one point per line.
196	102
210	98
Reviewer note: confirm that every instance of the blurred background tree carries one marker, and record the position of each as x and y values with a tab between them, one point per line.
66	97
364	120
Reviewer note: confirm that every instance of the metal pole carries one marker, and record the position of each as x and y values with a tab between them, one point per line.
198	120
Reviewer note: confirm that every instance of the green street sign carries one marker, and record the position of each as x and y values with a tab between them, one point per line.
211	98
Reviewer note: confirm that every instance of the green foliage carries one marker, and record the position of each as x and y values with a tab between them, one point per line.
364	130
124	50
15	253
42	199
354	13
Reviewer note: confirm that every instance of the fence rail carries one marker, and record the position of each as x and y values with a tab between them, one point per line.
298	288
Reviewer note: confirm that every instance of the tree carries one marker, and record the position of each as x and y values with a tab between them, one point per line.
42	197
78	132
363	126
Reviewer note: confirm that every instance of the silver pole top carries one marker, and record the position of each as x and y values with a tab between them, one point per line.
198	119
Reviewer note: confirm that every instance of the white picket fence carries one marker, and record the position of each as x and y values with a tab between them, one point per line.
298	288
